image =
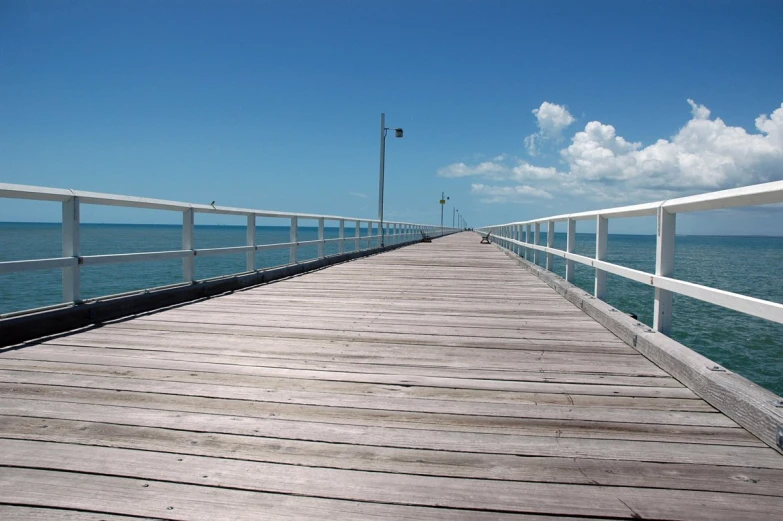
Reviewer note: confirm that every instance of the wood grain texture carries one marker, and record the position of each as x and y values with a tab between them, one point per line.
436	381
754	407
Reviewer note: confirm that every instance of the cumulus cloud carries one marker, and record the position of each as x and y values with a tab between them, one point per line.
551	119
704	155
492	169
499	170
508	194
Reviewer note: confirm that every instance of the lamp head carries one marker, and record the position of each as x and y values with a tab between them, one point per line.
397	132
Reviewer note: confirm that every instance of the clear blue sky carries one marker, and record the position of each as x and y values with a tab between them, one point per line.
275	105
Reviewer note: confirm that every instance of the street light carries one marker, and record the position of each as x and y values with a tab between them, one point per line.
443	200
397	133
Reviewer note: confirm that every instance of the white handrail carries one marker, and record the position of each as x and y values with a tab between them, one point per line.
512	237
393	232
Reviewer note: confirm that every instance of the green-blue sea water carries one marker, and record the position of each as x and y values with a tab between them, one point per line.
747	265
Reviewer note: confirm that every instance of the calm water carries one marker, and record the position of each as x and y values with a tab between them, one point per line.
747	265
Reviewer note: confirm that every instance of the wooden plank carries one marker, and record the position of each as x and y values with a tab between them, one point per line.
537	339
439	381
545	369
388	321
162	500
221	366
584	471
220	337
192	487
453	389
747	403
385	418
374	401
457	441
25	513
331	327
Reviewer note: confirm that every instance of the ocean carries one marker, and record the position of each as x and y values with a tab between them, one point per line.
748	265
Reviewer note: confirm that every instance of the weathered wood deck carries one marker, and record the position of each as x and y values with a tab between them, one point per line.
439	381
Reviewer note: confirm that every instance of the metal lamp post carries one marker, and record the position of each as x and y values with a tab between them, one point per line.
443	200
397	133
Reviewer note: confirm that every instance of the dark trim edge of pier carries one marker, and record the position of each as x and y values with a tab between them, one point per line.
750	405
36	325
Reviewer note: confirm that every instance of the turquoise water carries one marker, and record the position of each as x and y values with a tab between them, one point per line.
747	265
26	290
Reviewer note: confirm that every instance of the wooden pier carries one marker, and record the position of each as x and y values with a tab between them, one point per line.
437	381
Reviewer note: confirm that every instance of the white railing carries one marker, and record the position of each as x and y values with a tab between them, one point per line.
516	237
386	233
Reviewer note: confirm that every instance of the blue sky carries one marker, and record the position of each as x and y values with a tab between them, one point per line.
275	105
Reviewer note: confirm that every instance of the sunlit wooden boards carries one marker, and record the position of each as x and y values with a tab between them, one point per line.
438	381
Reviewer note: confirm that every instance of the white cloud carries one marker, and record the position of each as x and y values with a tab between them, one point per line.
492	169
508	194
498	171
552	119
525	171
704	155
698	111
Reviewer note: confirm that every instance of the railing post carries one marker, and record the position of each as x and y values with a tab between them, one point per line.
341	242
664	266
71	246
188	243
550	243
251	241
320	237
527	240
357	243
293	238
520	237
512	235
601	243
536	241
570	245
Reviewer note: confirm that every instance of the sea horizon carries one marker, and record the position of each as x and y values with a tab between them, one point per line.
283	226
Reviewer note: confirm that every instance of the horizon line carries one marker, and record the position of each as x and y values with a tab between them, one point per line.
240	226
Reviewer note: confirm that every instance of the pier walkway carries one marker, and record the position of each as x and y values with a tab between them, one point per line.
436	381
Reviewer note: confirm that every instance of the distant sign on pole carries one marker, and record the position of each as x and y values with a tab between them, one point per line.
442	201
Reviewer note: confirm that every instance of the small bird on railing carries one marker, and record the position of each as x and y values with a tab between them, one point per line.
212	204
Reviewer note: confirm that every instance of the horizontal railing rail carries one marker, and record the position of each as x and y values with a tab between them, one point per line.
378	234
518	238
